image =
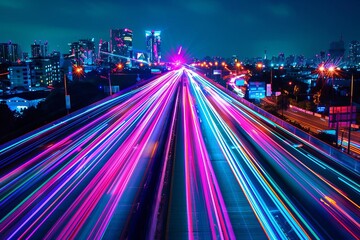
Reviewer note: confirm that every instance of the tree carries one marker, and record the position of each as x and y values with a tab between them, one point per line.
316	98
296	92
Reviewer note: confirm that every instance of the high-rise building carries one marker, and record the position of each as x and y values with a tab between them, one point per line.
354	52
281	59
153	45
9	52
103	51
121	43
35	50
39	49
83	51
55	66
337	49
41	72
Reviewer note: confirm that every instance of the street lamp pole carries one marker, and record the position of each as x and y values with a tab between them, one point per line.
110	88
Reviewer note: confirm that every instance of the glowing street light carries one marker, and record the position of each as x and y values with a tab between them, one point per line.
329	72
260	65
78	70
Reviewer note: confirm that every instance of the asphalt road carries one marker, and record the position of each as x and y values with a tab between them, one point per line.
174	158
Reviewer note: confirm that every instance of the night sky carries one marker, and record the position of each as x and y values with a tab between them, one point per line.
203	27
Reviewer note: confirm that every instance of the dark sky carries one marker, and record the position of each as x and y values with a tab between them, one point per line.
203	27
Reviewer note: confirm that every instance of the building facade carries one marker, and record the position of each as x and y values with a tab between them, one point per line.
39	49
41	72
354	53
9	52
121	44
20	77
153	46
83	52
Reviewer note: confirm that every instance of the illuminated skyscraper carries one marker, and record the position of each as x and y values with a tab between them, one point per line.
121	43
153	45
83	51
103	50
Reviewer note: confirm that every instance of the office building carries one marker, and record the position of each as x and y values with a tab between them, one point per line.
9	52
354	53
19	76
153	46
103	51
55	66
39	49
41	72
121	46
82	52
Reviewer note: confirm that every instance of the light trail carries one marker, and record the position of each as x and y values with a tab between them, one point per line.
252	190
103	171
290	165
200	178
129	124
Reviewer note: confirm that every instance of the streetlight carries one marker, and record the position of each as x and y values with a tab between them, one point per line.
110	88
78	70
330	72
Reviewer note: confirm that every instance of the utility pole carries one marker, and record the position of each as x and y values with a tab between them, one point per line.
67	97
110	88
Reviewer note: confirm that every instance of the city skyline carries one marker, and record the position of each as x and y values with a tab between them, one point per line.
201	27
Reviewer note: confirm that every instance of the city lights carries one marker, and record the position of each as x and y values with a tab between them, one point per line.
187	120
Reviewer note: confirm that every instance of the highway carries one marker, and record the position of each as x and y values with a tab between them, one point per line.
175	158
317	124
